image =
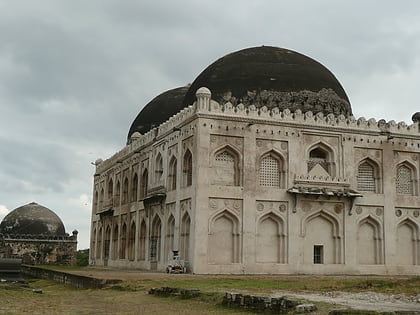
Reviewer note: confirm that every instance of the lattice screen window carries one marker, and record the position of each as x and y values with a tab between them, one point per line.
225	158
365	178
404	181
269	172
225	169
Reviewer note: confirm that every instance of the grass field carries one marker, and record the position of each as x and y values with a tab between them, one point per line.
130	296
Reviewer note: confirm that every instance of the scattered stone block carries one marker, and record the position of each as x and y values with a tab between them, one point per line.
305	308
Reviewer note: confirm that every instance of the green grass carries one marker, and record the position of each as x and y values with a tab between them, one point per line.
409	286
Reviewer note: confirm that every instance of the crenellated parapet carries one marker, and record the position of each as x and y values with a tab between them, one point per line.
275	114
206	106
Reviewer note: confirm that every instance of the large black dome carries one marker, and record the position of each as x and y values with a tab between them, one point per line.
32	219
260	76
272	76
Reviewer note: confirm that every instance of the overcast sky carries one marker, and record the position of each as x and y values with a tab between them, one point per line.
74	74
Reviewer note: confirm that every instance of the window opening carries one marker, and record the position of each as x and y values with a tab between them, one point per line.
269	172
318	254
318	156
404	181
365	178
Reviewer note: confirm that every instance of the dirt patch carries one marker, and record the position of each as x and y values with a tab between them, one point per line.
371	301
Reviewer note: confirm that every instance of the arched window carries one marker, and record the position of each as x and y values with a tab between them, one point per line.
99	244
134	188
132	241
170	241
93	246
404	180
143	184
95	202
270	172
154	242
110	188
115	242
107	242
101	200
367	176
172	174
158	168
319	156
226	171
142	241
185	236
117	193
123	244
125	191
187	168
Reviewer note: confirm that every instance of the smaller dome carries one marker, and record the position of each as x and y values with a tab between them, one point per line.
158	110
32	219
416	117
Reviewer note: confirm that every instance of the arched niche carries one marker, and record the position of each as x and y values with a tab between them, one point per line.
224	238
270	239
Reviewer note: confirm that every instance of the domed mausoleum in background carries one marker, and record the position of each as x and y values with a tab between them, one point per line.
259	166
37	235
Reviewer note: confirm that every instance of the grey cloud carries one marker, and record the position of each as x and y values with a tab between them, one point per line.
74	74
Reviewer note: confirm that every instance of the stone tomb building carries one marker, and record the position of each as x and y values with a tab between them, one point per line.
36	234
259	166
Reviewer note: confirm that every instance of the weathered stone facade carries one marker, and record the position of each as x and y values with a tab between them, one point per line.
36	235
34	250
247	189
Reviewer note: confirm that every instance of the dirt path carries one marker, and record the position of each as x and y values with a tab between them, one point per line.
363	301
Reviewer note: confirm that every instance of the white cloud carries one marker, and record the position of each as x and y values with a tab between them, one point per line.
3	211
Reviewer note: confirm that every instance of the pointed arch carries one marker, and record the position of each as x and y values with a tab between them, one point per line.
155	241
408	242
158	168
369	176
99	244
125	191
185	236
187	168
271	171
144	183
369	241
95	202
142	240
117	193
115	238
132	241
172	170
169	239
134	187
101	199
226	166
406	179
224	238
322	230
321	155
110	189
123	244
270	239
107	242
93	245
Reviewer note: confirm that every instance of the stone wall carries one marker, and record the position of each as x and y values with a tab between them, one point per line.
77	281
40	251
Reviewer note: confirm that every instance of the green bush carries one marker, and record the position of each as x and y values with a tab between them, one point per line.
82	257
